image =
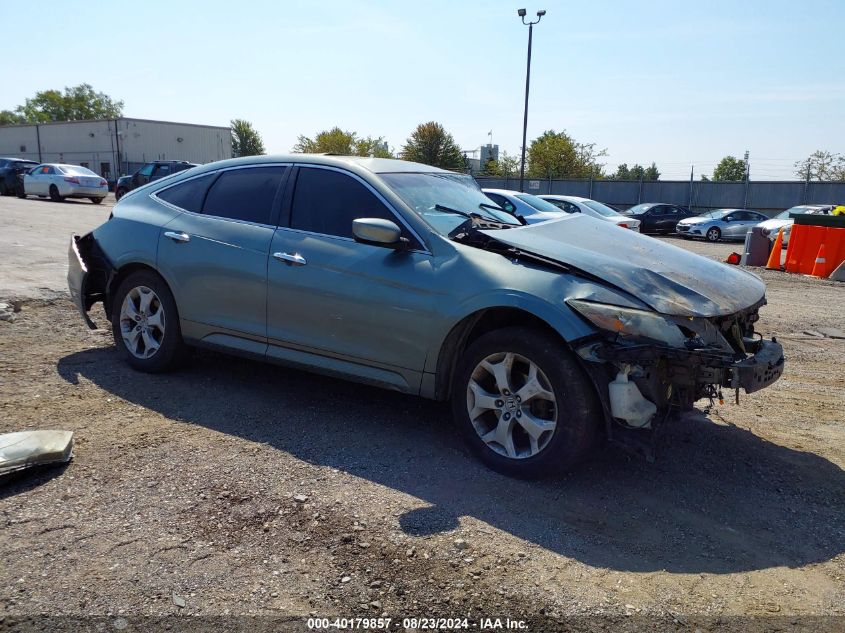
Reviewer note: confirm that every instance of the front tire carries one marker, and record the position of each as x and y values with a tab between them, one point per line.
54	194
145	323
714	234
119	193
523	404
96	200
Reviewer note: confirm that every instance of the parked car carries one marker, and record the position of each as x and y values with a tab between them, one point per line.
9	170
524	205
148	173
720	224
782	220
64	181
594	208
657	217
543	337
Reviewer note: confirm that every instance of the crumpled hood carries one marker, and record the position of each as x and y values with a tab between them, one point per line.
670	279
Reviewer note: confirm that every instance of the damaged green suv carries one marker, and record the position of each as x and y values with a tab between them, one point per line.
544	338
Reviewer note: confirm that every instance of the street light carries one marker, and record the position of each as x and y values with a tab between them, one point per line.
522	13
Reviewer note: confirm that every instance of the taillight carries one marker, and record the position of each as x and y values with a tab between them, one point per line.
623	225
72	179
103	182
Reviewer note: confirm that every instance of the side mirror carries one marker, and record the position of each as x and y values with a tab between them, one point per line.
378	232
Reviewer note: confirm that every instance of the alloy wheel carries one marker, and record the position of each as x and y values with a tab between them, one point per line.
511	405
714	234
142	322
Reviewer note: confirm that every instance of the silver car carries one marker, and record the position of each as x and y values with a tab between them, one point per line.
64	181
531	208
720	224
594	208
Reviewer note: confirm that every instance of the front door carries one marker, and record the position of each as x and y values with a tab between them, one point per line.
331	297
214	255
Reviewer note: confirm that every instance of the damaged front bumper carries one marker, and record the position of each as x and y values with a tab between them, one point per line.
697	368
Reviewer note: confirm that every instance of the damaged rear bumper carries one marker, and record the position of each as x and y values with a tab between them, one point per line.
88	276
77	277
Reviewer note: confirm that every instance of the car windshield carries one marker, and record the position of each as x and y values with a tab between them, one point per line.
639	208
433	195
538	203
600	208
76	170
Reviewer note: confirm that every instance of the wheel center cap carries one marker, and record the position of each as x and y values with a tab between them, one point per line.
510	403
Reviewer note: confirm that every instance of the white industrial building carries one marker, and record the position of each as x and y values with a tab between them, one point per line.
115	147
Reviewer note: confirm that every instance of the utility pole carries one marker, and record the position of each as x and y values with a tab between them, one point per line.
745	198
521	13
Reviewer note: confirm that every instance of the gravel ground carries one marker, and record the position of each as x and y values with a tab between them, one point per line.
237	488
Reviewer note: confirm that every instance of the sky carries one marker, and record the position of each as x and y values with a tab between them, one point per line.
678	83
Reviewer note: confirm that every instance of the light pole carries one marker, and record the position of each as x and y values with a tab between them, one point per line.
521	13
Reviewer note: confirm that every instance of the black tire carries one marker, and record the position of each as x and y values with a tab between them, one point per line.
714	234
172	350
54	194
96	200
119	193
4	190
577	411
20	192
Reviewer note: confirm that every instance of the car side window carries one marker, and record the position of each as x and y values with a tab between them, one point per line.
658	210
146	170
188	195
244	194
327	201
160	171
503	202
47	170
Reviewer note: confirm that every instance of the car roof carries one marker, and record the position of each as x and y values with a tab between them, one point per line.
556	196
373	165
18	160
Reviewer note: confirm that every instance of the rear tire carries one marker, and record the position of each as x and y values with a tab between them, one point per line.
54	194
96	200
546	413
145	324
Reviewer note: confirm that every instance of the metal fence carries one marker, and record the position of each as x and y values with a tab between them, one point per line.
767	197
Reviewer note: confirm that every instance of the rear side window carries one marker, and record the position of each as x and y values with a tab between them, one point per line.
327	201
244	194
188	195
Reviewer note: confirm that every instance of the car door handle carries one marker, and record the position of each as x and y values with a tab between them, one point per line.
177	237
291	259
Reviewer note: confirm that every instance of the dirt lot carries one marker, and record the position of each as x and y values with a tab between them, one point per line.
234	487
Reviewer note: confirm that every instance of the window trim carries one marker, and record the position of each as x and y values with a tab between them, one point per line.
287	211
277	199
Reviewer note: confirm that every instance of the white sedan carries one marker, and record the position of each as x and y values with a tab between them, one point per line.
64	181
594	208
529	207
783	221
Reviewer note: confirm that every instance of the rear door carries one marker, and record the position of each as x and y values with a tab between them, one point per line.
214	253
337	303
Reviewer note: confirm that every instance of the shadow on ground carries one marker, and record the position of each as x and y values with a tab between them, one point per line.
719	499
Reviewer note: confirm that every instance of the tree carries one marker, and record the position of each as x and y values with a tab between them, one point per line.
78	103
246	141
729	169
821	165
431	144
7	117
636	172
557	155
337	141
507	166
